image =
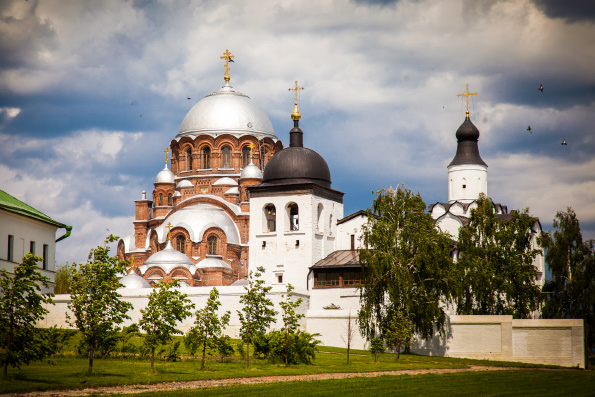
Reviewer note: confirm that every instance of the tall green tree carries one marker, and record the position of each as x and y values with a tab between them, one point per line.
95	302
406	265
397	332
167	306
496	263
208	326
257	312
571	290
291	321
62	279
21	307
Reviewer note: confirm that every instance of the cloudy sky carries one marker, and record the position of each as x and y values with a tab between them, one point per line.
380	102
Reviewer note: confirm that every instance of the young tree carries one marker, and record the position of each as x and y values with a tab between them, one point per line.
376	346
406	265
95	302
291	320
21	307
62	279
208	326
496	263
167	306
349	334
398	332
257	314
571	290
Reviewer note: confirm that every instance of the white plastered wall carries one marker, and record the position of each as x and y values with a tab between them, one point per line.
473	176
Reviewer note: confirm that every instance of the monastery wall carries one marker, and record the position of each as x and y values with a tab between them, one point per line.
502	338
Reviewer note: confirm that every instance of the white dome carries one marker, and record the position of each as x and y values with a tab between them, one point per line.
133	280
226	111
184	183
225	181
233	190
177	194
213	262
168	259
251	171
165	176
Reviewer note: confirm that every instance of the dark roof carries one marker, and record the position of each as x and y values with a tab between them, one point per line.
297	162
467	149
338	259
350	217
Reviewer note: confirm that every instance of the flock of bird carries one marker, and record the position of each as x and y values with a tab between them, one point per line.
531	130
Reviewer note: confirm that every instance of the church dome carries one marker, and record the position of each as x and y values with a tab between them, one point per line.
168	259
133	280
226	111
467	131
251	171
165	176
467	148
297	164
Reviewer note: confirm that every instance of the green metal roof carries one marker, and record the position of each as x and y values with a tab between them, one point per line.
12	204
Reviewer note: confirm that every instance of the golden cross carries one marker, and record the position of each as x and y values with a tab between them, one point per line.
251	150
467	94
169	231
296	90
166	151
228	57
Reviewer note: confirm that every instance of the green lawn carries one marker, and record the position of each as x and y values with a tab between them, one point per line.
496	383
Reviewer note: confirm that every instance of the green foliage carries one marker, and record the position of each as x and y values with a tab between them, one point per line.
104	347
406	265
257	312
397	332
56	338
224	347
95	302
208	327
291	321
496	263
571	290
167	306
62	279
126	334
376	346
240	349
21	307
173	355
301	348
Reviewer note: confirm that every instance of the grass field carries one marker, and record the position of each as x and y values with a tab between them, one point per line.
70	372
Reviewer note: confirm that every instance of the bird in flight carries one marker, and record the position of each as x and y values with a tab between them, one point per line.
529	129
540	87
564	142
140	115
188	98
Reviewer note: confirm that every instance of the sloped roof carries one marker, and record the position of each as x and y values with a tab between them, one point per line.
12	204
340	258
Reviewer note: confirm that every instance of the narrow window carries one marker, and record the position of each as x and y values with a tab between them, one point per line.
332	279
279	278
294	219
169	200
212	245
206	158
319	219
10	254
321	280
263	157
270	216
181	243
188	159
160	198
32	247
353	242
45	256
245	156
226	157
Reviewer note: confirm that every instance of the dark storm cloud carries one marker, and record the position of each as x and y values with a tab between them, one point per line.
571	10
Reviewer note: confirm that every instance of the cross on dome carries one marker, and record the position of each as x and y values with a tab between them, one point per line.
295	115
166	151
169	225
228	58
467	94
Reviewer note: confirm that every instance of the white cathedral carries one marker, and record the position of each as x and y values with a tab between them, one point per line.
235	199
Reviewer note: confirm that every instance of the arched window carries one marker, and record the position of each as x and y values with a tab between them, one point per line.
160	198
226	157
206	158
263	156
319	224
169	200
188	159
270	218
181	243
293	215
245	156
212	245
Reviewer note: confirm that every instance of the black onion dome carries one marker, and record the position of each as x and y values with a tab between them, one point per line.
467	148
297	164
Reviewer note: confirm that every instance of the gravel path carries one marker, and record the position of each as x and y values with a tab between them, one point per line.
197	384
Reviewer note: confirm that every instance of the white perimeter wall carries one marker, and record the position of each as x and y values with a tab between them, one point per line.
556	342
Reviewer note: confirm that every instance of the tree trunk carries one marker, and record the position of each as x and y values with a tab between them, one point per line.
204	352
5	370
152	358
91	354
375	359
247	355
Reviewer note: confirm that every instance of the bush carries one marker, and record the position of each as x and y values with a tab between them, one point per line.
224	347
262	346
298	347
241	350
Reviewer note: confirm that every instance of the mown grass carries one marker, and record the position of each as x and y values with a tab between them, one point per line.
70	371
497	383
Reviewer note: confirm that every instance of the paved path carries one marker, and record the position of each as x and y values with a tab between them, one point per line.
198	384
